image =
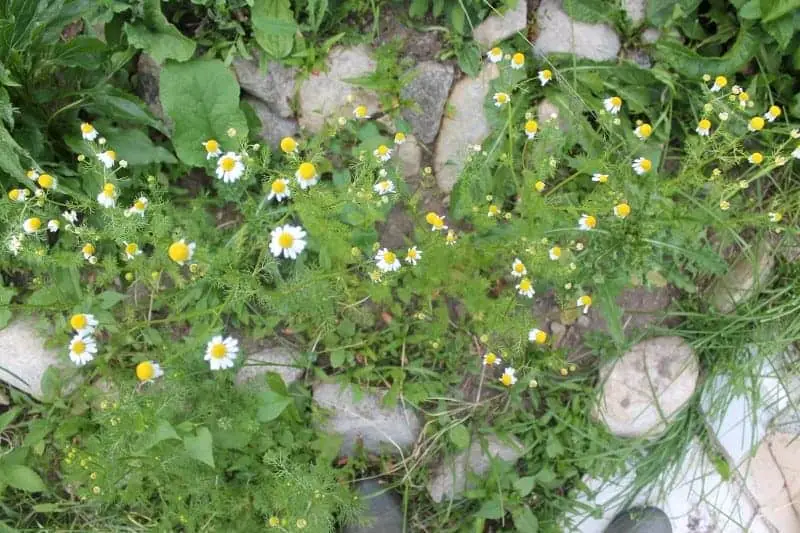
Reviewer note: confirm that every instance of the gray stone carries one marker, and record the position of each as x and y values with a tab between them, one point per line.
745	278
284	361
496	27
449	479
24	358
636	10
328	93
651	35
275	87
396	231
547	111
273	127
640	57
147	80
560	34
427	92
366	420
643	390
557	333
384	511
409	157
467	126
640	520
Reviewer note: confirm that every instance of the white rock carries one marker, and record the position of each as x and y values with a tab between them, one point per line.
496	28
366	420
651	35
273	126
745	278
547	111
653	380
467	126
283	361
774	480
275	86
24	358
559	33
326	94
409	157
636	9
449	478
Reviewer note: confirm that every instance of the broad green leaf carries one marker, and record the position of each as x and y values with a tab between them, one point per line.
200	446
491	509
109	299
554	447
692	65
524	485
164	431
659	12
784	28
9	154
202	99
135	147
274	26
82	52
524	520
156	36
272	405
7	417
775	9
21	477
338	356
459	436
469	59
418	8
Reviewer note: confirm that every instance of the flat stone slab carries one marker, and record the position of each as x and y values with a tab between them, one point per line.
773	478
273	126
427	91
384	511
449	479
365	420
282	360
558	33
745	278
496	27
275	86
24	358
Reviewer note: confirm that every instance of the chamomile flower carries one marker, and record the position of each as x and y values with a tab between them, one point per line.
131	250
139	207
360	112
743	98
220	353
495	55
525	288
70	216
613	104
288	145
775	217
772	113
518	61
756	124
46	181
587	222
704	127
83	323
413	255
213	149
88	132
600	178
287	240
147	371
181	251
554	253
491	359
88	250
53	225
279	189
539	186
436	221
643	131
538	336
642	165
508	378
383	153
622	210
719	83
18	195
451	238
108	196
756	158
386	260
796	152
32	225
82	349
531	128
494	211
108	158
724	205
399	138
230	167
544	76
501	99
584	301
32	174
384	187
795	133
306	175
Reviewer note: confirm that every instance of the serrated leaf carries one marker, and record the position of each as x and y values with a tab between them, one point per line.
524	520
156	36
200	446
22	477
775	9
491	509
524	485
9	154
202	99
274	26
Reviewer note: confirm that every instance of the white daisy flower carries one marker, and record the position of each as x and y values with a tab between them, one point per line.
230	167
613	104
47	182
383	153
501	99
756	124
53	225
70	216
387	261
220	352
288	241
306	175
108	196
554	253
544	76
83	323
107	158
538	336
384	187
703	128
88	132
643	131
32	225
719	83
585	301
360	112
88	250
518	268
531	128
212	149
18	195
525	288
139	207
756	158
131	250
508	378
772	113
796	152
413	255
495	55
279	189
147	371
399	138
82	349
288	145
597	177
181	251
518	61
32	175
795	133
587	222
491	359
775	217
436	221
622	210
642	165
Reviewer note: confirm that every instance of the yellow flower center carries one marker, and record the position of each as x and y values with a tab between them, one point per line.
721	81
539	186
285	240
525	285
585	300
88	249
361	111
496	51
141	205
490	358
775	111
389	257
757	158
541	337
78	322
46	181
433	219
412	254
399	137
602	178
288	144
590	221
178	251
646	165
531	126
111	154
616	101
78	347
493	210
757	123
519	267
131	248
218	350
212	146
274	521
501	97
383	149
145	371
546	74
278	186
645	130
518	58
227	164
704	124
623	210
506	379
108	189
86	128
13	194
744	97
556	251
384	185
307	171
34	223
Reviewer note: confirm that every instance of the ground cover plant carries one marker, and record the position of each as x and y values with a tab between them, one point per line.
156	255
